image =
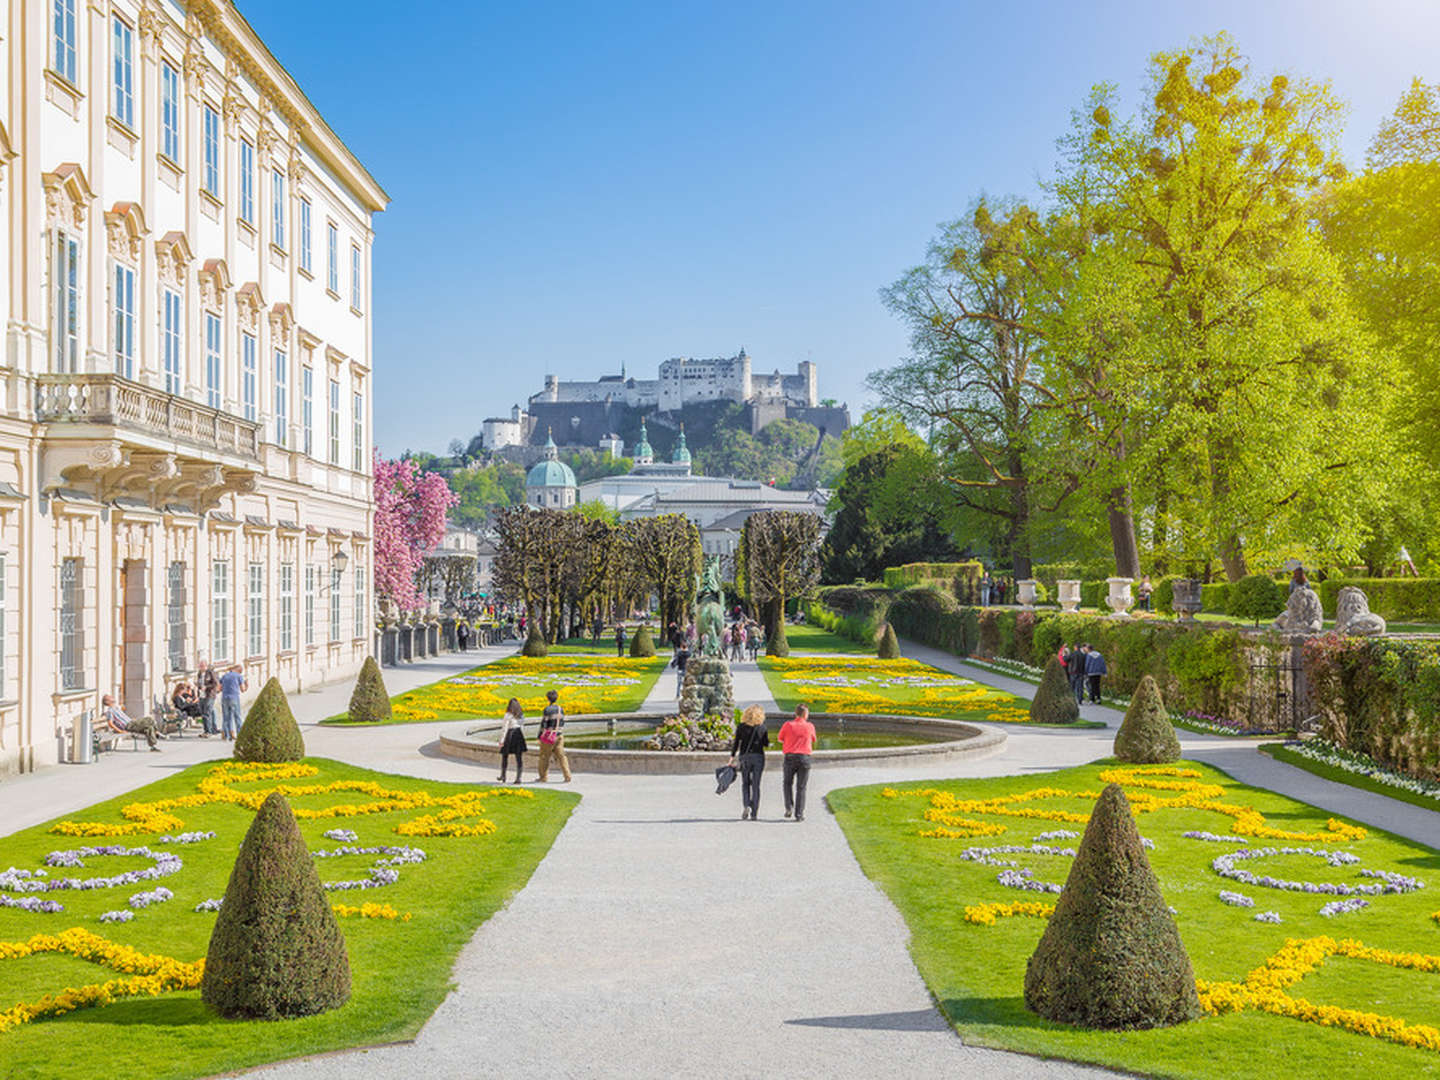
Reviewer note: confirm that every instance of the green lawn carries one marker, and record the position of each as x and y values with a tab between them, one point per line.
1279	752
809	638
400	970
586	684
976	972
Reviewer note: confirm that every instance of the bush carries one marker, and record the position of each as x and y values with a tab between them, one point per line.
276	950
1054	701
961	580
1110	956
1215	597
889	645
1396	599
269	732
1163	598
642	644
369	703
1146	736
777	644
857	628
1257	597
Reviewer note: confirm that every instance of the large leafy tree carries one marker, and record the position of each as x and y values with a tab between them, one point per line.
661	556
779	558
410	508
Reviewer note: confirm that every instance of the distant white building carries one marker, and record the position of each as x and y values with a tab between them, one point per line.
497	432
550	483
687	381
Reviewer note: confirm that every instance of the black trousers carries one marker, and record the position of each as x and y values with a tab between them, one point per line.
751	766
1077	683
1094	688
796	776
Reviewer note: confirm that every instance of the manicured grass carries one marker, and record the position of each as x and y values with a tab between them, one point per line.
902	687
808	638
1280	752
976	972
401	971
587	684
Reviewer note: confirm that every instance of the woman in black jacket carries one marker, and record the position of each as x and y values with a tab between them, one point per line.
747	752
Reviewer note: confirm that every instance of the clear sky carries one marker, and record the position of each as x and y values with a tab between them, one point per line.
579	185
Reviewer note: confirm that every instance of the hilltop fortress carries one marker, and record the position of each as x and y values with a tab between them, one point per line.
592	413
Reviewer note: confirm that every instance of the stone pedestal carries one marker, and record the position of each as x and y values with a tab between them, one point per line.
1186	598
708	688
1120	601
1068	594
1026	589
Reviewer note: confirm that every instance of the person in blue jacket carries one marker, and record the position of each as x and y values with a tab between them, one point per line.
1094	669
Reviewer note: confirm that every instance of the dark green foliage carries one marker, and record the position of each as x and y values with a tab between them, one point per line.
369	703
1257	597
535	643
276	950
1054	701
1163	599
777	644
642	644
1215	597
1110	956
889	645
1146	736
1396	599
269	732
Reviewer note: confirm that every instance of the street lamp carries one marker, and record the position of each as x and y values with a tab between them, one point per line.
339	560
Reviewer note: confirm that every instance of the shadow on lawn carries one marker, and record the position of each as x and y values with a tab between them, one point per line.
168	1010
1005	1011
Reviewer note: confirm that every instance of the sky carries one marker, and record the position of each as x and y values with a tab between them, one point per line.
579	186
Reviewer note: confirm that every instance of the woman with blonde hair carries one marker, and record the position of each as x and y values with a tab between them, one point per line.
512	739
747	753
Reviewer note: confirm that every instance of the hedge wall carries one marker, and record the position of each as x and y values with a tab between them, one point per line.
1380	697
962	579
1397	599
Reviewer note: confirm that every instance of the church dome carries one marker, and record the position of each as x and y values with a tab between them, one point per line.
682	452
552	472
643	454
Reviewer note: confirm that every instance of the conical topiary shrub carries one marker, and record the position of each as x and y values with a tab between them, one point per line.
369	703
1110	956
269	732
1054	701
276	950
777	644
1146	736
889	644
642	644
535	643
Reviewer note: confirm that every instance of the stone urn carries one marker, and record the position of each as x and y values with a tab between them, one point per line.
1120	600
1069	594
1186	598
1027	593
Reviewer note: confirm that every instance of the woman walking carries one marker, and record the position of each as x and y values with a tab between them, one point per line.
512	740
552	737
747	752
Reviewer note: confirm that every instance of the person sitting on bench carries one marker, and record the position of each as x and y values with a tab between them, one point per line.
121	724
186	702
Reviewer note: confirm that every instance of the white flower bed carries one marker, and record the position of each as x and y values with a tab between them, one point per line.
1212	838
1387	882
1235	899
1342	907
1349	761
1267	916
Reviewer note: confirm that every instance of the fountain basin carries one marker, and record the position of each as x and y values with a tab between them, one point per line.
943	740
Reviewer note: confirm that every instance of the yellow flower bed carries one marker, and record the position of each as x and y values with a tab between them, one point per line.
947	810
867	687
218	787
145	974
368	911
586	684
986	914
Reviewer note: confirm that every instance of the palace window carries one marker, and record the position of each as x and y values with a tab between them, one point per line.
4	622
170	341
63	37
287	606
175	614
361	611
357	432
247	181
72	636
277	207
332	257
220	611
123	44
307	407
248	376
170	112
66	301
213	374
334	422
282	398
309	604
334	604
356	299
212	151
305	235
123	300
256	614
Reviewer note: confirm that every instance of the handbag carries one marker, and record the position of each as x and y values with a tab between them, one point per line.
550	736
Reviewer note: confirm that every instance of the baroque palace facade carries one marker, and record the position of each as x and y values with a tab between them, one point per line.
185	398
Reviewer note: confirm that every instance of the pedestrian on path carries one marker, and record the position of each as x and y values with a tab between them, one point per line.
232	685
620	641
1075	668
747	752
1095	670
207	684
986	587
678	662
756	639
462	635
121	724
552	738
797	739
512	740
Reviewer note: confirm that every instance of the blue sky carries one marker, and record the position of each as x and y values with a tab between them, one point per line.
577	185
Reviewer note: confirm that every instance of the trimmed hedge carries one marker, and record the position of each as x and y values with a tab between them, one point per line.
369	703
962	579
642	644
1054	702
1146	736
860	629
1397	599
889	648
270	733
535	644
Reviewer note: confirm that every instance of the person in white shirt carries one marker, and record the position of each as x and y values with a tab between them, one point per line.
512	740
121	724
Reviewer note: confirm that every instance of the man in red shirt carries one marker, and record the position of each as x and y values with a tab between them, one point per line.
797	739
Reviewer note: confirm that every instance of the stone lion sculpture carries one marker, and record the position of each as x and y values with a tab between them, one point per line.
1353	614
1303	613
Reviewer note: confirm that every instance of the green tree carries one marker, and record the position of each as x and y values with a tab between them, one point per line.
780	558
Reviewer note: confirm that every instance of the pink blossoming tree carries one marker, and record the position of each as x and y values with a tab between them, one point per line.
410	508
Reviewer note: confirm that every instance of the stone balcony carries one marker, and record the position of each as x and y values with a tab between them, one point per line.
110	436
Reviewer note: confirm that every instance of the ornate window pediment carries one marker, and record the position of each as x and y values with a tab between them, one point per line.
67	196
125	229
214	282
282	320
172	255
249	304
